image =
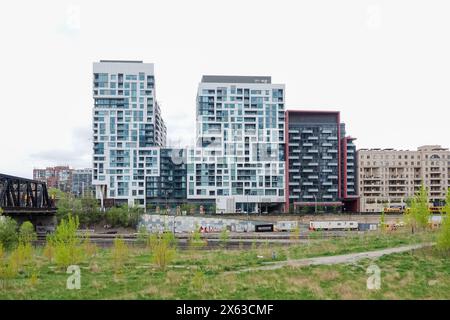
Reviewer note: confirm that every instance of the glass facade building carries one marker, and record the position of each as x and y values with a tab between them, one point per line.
238	160
127	126
320	161
169	187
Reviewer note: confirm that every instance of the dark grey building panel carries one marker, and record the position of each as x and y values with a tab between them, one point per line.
236	79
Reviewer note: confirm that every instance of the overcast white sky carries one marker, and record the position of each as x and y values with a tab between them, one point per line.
384	64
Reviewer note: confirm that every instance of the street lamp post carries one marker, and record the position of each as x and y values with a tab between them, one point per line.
315	204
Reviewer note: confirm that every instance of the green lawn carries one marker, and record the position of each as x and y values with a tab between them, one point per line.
423	274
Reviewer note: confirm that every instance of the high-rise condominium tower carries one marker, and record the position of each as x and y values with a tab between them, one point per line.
238	160
128	130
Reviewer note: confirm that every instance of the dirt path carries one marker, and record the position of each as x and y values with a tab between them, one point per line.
329	260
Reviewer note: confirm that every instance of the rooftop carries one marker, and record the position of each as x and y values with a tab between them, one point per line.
236	79
122	61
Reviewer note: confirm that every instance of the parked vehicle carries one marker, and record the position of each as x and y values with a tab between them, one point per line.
333	225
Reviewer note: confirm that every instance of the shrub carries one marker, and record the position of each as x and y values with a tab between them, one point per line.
27	233
163	249
195	240
117	216
142	235
119	254
66	243
89	249
224	238
8	233
134	215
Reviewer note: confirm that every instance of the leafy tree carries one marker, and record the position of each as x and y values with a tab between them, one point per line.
418	213
90	212
8	233
27	233
443	241
65	242
117	216
134	216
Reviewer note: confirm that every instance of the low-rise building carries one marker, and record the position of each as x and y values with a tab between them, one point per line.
388	177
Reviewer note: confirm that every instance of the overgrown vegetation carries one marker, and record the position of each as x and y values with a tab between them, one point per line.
65	243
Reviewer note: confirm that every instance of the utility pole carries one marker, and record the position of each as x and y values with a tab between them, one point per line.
315	204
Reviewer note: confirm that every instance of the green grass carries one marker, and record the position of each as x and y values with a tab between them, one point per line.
423	274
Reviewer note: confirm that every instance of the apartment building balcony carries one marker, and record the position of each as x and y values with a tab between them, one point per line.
313	138
308	170
326	131
313	164
293	131
327	183
327	157
307	157
313	190
327	144
327	170
296	190
327	196
332	177
332	190
313	151
306	183
312	177
332	151
296	164
296	177
332	138
295	183
307	144
306	131
293	157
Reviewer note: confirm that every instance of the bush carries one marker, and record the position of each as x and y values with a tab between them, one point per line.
163	249
224	238
8	233
117	216
142	235
27	233
66	243
119	253
195	240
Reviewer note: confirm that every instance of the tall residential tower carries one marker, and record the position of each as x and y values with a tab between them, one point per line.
320	162
238	161
127	130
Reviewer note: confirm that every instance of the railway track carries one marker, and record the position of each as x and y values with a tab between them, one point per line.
212	240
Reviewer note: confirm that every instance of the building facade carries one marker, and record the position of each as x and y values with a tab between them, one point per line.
59	177
238	160
82	182
388	177
127	130
320	162
168	189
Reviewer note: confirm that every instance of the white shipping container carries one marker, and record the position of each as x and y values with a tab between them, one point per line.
333	225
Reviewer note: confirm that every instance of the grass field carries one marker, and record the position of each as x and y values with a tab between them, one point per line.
197	274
